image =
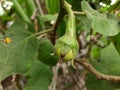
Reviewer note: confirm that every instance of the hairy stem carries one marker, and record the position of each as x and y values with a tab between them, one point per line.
71	20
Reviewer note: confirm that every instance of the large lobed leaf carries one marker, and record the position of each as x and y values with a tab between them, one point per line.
109	64
100	22
39	77
84	24
109	61
18	56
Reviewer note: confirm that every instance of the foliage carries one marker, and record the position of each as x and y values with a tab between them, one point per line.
32	29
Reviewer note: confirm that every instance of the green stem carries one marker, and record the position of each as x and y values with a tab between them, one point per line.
30	5
42	32
68	8
71	27
20	11
79	13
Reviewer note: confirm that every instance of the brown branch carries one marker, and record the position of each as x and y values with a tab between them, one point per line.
59	18
98	75
75	80
39	7
34	15
90	45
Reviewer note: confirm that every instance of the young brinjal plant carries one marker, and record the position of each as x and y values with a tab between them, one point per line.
59	45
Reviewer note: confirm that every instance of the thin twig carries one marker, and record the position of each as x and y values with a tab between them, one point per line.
1	87
39	7
90	44
59	18
35	20
98	75
75	80
79	13
34	14
42	32
55	76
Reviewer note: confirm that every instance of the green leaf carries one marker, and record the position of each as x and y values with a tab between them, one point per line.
93	83
109	64
39	77
18	56
116	42
100	22
84	24
105	26
52	6
61	28
89	11
109	61
46	51
95	52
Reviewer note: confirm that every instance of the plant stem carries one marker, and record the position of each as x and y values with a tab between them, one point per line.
20	11
79	13
71	26
30	5
59	18
42	32
98	75
39	7
67	7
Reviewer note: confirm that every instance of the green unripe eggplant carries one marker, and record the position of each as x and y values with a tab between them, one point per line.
66	47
